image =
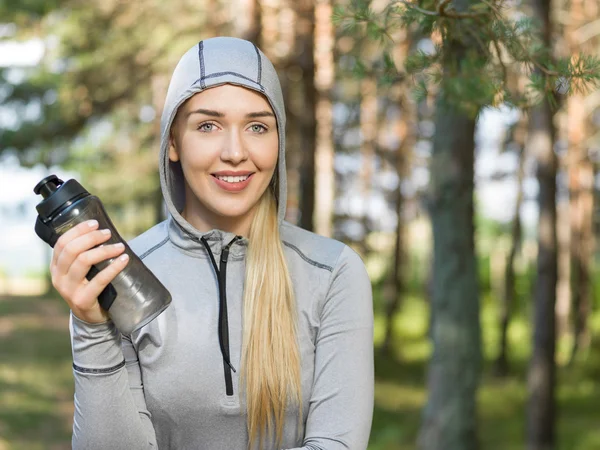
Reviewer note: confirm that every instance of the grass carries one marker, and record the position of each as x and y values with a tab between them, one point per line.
36	387
400	392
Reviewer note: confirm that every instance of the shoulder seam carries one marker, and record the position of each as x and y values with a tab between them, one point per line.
152	249
306	258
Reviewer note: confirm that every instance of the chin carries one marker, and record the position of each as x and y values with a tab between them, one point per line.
232	213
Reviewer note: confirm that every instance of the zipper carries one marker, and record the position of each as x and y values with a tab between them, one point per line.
223	320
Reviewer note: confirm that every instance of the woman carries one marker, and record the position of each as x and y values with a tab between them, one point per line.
268	340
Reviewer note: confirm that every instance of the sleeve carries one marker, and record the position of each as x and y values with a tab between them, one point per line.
341	404
110	410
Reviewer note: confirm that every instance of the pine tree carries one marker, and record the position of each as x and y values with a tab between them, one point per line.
476	51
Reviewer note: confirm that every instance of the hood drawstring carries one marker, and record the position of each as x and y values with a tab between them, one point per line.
223	322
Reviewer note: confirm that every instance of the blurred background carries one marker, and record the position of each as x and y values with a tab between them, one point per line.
477	223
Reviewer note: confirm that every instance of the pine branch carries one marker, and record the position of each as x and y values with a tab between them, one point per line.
442	10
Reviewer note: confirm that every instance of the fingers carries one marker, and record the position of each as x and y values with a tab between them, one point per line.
95	286
84	303
75	250
83	263
78	230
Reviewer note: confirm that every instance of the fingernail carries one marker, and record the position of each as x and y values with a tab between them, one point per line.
92	223
119	245
124	257
105	231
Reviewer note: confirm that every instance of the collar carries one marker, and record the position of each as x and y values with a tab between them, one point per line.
184	236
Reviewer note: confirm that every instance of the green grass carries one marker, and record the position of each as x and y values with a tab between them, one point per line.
400	390
36	388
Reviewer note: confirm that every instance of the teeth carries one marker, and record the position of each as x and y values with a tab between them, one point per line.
230	179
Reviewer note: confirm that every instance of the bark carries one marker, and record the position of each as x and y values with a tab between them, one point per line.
159	85
449	420
581	203
393	302
305	43
250	21
396	282
506	306
542	369
563	283
368	131
324	153
450	416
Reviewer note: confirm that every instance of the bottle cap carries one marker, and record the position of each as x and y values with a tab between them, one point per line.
57	194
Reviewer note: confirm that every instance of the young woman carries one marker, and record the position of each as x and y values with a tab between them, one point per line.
268	340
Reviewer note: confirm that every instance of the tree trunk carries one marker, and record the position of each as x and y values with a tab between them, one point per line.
368	131
542	370
249	23
581	202
324	152
450	416
393	301
449	420
159	86
396	282
305	43
563	282
502	366
404	132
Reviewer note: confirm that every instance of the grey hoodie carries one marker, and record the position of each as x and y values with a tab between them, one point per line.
166	385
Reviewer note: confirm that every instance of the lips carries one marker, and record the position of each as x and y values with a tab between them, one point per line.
232	181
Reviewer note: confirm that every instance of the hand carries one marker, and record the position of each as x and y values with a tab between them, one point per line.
74	254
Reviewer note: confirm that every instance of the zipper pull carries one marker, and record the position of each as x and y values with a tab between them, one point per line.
225	251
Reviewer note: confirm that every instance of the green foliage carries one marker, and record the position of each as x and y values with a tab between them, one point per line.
493	50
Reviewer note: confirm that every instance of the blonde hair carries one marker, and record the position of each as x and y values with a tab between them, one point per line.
271	358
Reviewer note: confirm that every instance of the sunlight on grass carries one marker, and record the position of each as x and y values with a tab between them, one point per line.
400	392
36	383
393	397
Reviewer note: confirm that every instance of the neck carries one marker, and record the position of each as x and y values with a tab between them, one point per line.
239	226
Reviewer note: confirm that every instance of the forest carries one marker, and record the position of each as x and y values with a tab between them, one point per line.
453	144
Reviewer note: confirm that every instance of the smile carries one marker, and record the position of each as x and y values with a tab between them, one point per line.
233	183
230	179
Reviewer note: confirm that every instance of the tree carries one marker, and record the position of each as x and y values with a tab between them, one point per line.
476	49
509	294
324	78
541	380
581	197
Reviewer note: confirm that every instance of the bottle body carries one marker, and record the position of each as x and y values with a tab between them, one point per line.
140	296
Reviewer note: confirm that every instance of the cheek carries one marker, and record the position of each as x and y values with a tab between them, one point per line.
194	155
266	157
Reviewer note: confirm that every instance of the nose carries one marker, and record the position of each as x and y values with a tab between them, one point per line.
234	148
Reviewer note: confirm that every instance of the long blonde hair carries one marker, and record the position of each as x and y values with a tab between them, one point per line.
271	358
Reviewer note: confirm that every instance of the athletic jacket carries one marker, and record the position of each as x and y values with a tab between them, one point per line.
168	385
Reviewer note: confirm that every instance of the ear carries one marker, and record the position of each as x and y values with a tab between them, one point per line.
173	155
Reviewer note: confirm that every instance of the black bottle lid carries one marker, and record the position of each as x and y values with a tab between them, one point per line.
57	194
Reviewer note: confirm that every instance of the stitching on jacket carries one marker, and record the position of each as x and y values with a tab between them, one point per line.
259	64
239	75
108	370
307	259
201	58
157	246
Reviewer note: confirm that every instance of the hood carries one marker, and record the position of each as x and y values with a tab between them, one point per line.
211	63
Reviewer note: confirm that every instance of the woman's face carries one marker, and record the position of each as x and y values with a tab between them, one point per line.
226	140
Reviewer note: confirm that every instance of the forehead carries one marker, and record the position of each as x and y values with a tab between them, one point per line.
228	97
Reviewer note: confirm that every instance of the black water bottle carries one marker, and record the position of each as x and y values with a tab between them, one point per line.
135	296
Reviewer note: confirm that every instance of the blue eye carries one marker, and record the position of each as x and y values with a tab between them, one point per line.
256	128
206	127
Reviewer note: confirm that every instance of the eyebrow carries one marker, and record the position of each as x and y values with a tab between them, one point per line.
210	112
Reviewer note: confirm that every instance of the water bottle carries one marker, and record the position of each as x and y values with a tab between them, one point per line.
135	296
